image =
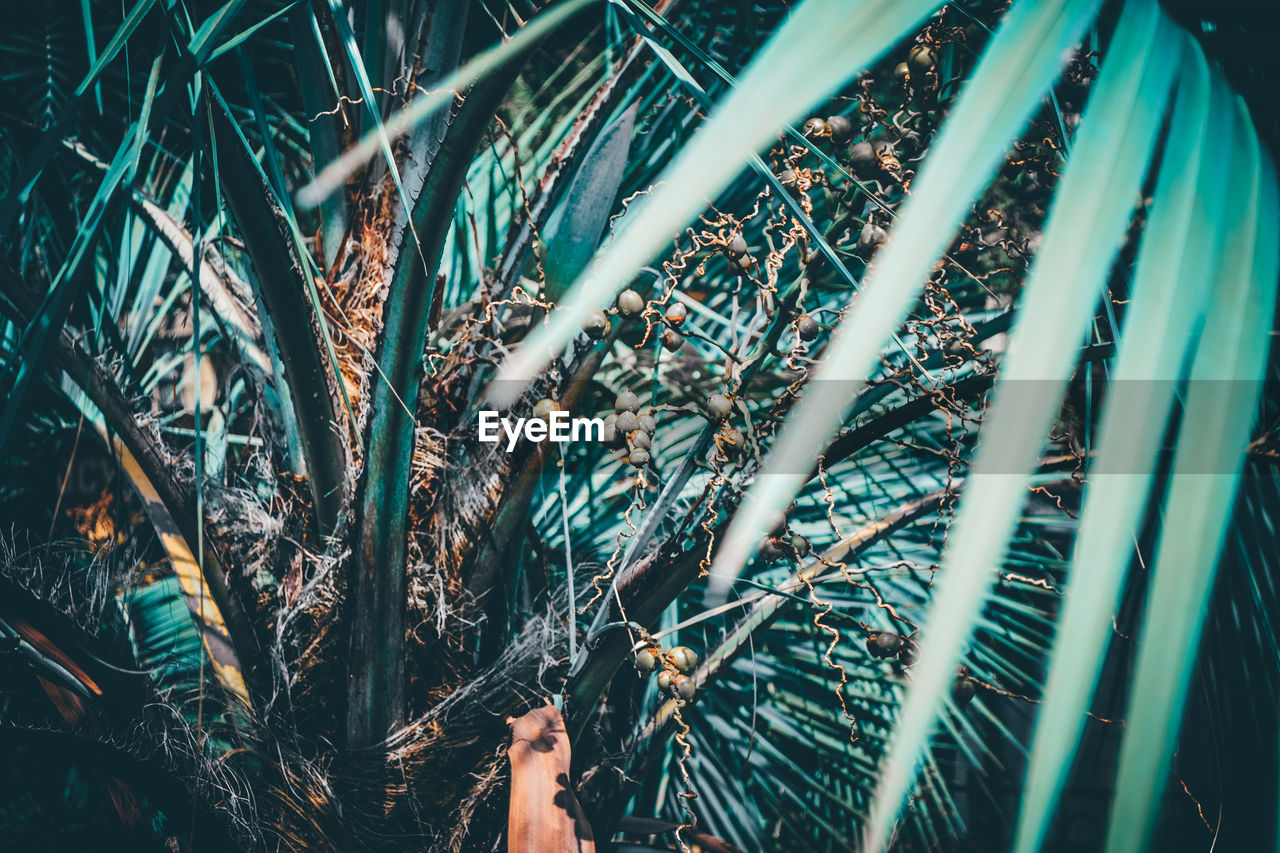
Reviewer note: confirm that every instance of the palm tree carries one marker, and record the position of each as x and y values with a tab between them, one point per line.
912	329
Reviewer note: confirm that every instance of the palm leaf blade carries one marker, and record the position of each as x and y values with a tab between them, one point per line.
1098	189
1226	379
1154	342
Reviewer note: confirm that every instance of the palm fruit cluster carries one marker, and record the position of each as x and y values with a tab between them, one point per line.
631	427
675	679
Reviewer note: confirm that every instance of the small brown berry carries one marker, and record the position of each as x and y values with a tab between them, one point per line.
886	644
862	157
597	325
732	441
630	303
921	59
963	691
789	180
871	237
612	438
646	660
719	406
807	328
684	658
816	127
909	654
741	265
770	549
841	129
627	401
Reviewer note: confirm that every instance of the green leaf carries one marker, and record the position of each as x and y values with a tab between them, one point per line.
376	24
203	38
65	287
377	636
324	134
217	280
242	326
122	35
269	153
335	174
356	63
20	189
820	47
86	14
240	38
1171	287
1086	226
167	639
287	295
1226	379
573	235
147	464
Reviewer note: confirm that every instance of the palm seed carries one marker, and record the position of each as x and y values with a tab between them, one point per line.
871	237
963	691
807	328
684	658
627	401
909	654
816	127
719	406
612	438
627	423
732	440
770	549
597	325
887	644
921	59
841	129
630	303
862	157
646	660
